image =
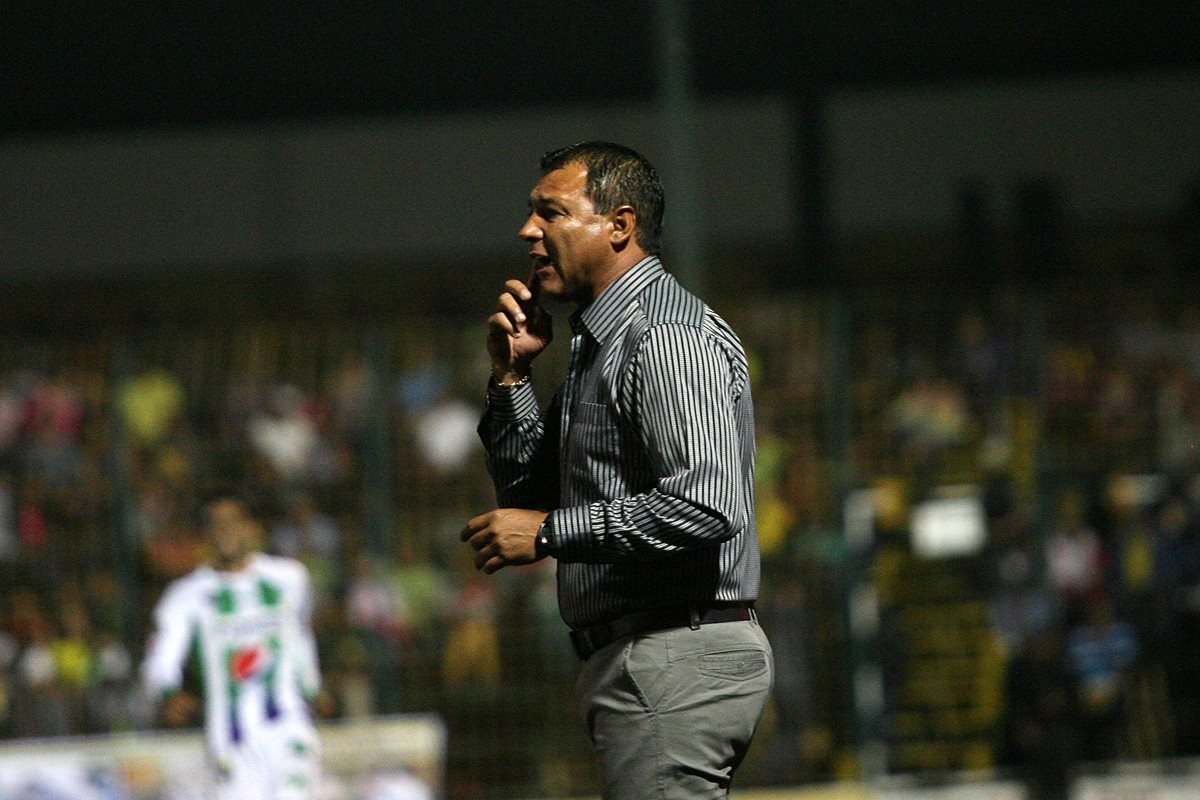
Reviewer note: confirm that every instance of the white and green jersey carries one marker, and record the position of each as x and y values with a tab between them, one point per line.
252	634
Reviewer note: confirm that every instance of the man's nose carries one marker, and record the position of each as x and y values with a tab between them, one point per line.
529	231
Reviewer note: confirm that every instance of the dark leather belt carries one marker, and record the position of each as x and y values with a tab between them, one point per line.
588	640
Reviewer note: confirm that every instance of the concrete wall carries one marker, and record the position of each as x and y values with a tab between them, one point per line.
454	186
1117	147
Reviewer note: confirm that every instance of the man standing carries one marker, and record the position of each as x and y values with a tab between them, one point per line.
246	616
638	479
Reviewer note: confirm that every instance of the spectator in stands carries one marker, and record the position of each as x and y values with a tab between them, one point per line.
155	509
1141	333
54	421
1130	536
981	358
352	389
1120	418
445	434
306	532
1039	735
1020	605
1177	414
9	648
471	660
801	743
332	460
880	370
173	550
1074	556
431	594
1176	566
929	417
424	378
1068	394
111	692
377	610
33	528
1185	344
1102	651
74	658
40	704
1176	642
150	404
10	540
284	434
13	410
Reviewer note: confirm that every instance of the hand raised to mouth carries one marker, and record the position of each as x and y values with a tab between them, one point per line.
519	329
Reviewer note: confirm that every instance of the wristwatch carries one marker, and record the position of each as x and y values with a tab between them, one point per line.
541	539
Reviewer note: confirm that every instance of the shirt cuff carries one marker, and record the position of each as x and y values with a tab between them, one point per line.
511	403
570	533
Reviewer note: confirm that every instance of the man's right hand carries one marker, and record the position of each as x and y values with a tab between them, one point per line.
179	709
518	330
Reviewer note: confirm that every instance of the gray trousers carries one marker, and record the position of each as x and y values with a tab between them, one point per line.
671	713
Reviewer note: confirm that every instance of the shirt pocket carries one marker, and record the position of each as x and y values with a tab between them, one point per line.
594	452
591	415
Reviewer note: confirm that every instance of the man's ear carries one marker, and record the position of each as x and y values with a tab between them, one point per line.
623	220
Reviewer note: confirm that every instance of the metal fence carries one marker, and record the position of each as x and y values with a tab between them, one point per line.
977	517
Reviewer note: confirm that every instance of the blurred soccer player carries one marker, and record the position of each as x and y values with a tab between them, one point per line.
246	618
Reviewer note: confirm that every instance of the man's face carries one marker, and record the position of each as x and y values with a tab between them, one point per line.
568	241
231	530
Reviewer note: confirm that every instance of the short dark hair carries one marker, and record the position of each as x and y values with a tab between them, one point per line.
219	492
617	175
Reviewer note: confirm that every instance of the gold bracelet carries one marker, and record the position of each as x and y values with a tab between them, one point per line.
523	380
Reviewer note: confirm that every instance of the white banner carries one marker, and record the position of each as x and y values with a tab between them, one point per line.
396	757
1137	787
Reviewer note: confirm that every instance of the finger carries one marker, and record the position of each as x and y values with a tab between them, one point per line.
510	305
484	556
474	526
502	322
523	291
495	564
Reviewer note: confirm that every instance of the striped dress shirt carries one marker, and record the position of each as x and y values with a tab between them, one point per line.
645	456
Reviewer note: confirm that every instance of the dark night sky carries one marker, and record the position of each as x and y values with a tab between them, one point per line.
83	66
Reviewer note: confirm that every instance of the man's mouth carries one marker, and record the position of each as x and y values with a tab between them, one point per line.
540	262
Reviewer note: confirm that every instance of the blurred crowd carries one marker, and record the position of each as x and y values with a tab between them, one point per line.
1079	425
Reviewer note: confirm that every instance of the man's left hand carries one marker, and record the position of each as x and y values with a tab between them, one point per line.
504	537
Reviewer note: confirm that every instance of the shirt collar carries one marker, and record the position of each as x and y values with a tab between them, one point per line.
603	314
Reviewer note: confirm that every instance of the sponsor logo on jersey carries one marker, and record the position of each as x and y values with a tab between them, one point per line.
249	662
251	625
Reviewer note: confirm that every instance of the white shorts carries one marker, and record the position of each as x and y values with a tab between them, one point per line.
277	763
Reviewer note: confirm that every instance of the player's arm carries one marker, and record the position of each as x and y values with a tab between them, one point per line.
166	655
308	667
